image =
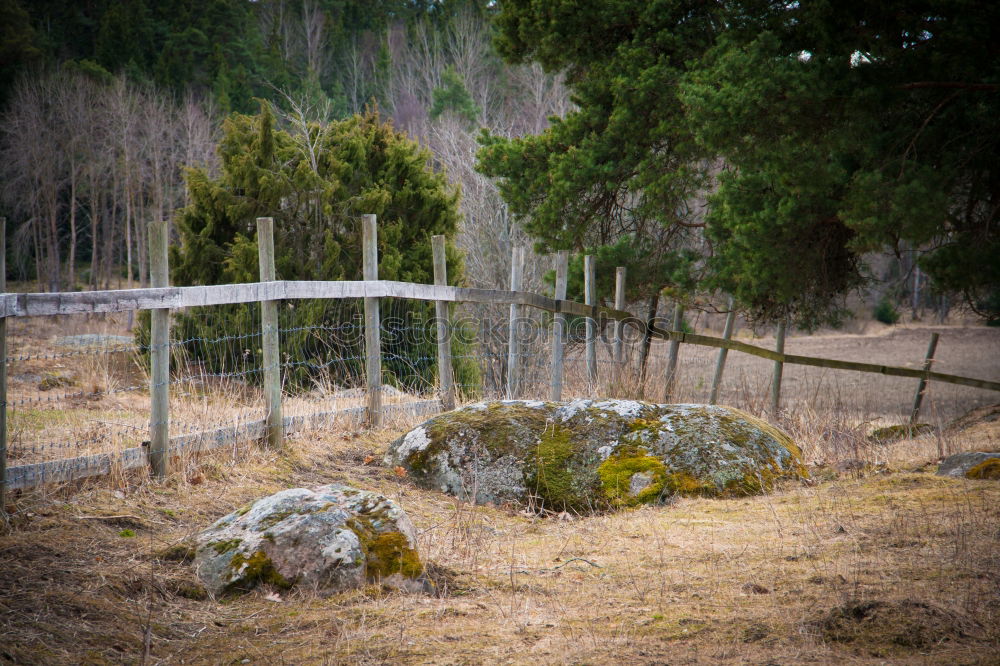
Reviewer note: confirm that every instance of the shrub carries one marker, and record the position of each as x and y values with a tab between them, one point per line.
886	312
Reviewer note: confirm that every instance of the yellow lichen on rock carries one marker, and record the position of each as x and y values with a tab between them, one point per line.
255	569
619	470
988	469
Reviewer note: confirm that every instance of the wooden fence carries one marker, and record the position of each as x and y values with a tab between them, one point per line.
161	299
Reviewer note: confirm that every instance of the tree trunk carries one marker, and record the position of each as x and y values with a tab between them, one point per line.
39	250
109	235
128	234
141	229
94	226
72	228
53	246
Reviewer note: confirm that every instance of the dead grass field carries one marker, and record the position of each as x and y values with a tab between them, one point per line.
864	565
876	560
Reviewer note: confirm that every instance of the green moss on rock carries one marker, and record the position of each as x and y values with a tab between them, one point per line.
386	553
255	569
390	553
988	469
618	471
553	476
500	427
222	547
588	454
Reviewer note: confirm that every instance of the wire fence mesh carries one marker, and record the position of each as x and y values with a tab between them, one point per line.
75	387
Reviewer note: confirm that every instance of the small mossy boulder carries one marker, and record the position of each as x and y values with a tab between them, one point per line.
971	465
54	380
330	539
895	433
988	469
595	454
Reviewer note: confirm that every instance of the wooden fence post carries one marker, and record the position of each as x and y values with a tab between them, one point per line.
619	325
3	371
373	342
513	348
590	298
446	382
720	363
779	346
159	354
269	334
559	326
675	346
922	386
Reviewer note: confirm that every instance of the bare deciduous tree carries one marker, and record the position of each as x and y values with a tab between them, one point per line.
73	148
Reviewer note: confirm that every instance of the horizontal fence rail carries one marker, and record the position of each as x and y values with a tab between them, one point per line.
793	359
125	300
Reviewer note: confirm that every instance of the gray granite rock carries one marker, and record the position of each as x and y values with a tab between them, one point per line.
960	464
330	539
594	454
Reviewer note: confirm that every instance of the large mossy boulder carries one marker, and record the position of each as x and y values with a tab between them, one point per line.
330	539
595	454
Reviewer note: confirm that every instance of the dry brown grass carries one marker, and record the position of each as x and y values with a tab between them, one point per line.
104	404
877	560
863	566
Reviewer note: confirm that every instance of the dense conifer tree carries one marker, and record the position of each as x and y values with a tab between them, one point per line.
316	182
840	128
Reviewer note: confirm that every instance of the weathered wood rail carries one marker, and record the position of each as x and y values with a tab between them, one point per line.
124	300
793	359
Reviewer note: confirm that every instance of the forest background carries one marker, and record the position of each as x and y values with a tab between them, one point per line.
107	105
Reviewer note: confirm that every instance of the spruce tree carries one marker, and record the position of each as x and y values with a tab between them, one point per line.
315	183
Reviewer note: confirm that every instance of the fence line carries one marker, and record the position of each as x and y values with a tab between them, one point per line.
124	300
161	298
794	359
82	467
